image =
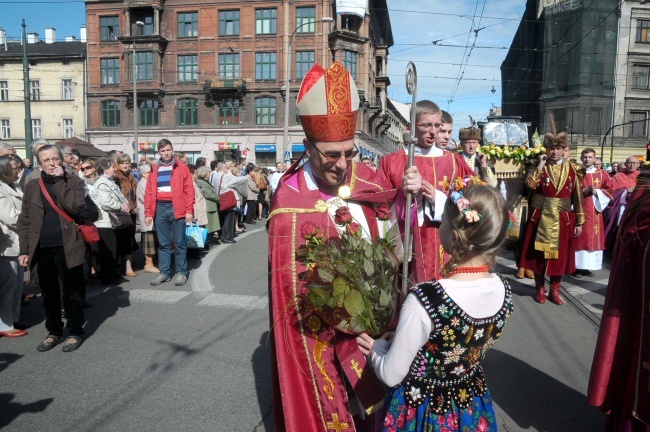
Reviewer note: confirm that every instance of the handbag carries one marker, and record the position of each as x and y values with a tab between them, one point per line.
227	200
120	219
88	232
196	236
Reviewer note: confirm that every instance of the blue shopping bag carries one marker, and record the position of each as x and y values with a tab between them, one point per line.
196	236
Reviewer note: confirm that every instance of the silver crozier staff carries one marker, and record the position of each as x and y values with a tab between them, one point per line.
412	88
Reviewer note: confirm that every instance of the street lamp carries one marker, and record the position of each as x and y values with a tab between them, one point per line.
287	83
134	71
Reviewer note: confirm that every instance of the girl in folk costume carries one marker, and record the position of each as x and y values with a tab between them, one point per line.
447	325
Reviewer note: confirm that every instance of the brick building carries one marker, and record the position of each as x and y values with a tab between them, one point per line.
210	73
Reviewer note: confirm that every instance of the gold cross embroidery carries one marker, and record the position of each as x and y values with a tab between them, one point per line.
597	183
646	365
336	425
445	184
356	368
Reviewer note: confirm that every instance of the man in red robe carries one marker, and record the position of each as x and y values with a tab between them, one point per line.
312	364
591	243
438	170
549	247
620	373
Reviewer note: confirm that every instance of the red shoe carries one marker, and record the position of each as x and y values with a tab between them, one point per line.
13	333
540	297
554	297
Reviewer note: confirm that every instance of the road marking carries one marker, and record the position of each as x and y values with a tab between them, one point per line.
200	278
154	296
235	301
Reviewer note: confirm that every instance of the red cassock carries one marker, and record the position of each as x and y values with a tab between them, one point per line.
309	358
568	192
440	171
620	373
592	237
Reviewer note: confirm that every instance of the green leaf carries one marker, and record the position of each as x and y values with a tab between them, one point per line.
368	267
367	250
354	303
358	324
384	299
340	286
325	275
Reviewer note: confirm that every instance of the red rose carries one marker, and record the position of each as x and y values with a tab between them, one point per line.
410	413
388	421
342	216
441	420
353	228
482	425
383	212
401	420
309	230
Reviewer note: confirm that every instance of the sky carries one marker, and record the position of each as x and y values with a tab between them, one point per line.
416	24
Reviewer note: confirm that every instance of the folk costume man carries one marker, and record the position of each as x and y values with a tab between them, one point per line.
470	139
312	363
438	169
591	243
620	374
553	224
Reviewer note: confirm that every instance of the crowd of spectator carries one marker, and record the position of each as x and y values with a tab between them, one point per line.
43	202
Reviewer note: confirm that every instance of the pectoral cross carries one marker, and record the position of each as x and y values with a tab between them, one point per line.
336	425
445	184
646	365
356	368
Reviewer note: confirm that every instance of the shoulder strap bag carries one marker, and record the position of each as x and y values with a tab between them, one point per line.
227	200
88	231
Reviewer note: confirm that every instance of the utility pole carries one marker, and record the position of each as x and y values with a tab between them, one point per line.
28	106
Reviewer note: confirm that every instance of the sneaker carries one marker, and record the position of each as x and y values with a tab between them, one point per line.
160	279
180	280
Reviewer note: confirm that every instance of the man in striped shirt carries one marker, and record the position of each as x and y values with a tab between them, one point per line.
169	198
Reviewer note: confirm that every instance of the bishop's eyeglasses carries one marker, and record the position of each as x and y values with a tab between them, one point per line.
334	156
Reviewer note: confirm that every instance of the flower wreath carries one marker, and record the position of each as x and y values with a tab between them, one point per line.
463	204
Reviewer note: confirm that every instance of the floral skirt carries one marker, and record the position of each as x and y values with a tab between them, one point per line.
400	417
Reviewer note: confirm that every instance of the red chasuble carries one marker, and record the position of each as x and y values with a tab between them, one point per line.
563	190
593	231
620	373
623	180
309	358
440	171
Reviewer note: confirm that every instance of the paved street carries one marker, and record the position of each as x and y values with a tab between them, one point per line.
195	358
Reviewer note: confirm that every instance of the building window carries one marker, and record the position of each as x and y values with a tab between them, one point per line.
67	90
35	90
110	71
638	128
351	22
640	74
304	61
188	24
266	66
229	23
266	21
594	121
643	30
144	66
188	68
4	91
228	65
350	62
229	112
306	19
5	129
146	17
37	129
149	113
110	113
68	128
265	111
188	112
109	28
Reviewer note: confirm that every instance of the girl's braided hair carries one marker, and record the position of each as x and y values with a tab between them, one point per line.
481	238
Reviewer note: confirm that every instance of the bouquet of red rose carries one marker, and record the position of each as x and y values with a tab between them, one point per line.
351	280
